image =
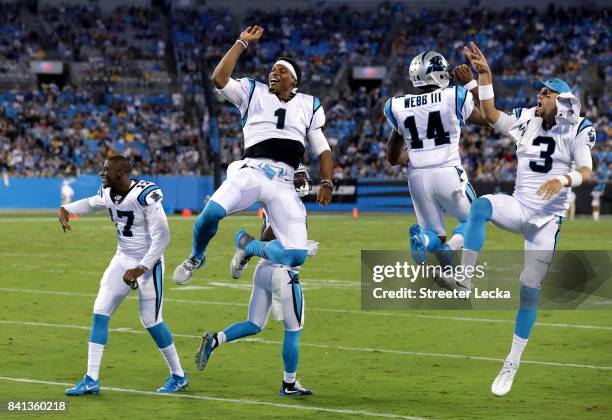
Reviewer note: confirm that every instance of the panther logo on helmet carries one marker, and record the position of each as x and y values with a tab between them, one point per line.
436	64
429	68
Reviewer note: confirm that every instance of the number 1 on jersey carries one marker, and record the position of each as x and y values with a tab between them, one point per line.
280	113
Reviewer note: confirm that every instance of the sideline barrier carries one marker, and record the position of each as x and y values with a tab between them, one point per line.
191	192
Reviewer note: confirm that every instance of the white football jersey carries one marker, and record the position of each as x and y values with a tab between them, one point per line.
544	154
138	216
264	116
431	125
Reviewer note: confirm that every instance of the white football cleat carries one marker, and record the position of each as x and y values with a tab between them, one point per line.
183	273
450	283
503	383
239	263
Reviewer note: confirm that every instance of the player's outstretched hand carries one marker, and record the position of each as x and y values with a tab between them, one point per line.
476	58
549	189
64	218
251	34
463	74
132	275
326	191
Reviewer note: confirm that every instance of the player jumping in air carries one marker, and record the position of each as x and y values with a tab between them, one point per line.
550	139
142	235
429	125
275	288
276	120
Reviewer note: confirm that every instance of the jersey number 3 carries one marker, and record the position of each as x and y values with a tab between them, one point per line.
435	130
127	229
545	154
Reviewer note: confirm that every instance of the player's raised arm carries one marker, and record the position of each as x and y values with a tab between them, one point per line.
485	82
225	68
463	75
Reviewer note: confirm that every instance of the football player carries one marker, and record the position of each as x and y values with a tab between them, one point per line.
602	174
551	138
276	121
135	207
428	125
276	289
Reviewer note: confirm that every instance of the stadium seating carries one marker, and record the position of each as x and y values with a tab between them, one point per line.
112	55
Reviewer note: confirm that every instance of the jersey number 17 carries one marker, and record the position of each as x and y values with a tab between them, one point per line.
127	228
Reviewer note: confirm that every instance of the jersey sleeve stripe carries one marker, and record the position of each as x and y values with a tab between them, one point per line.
316	104
389	114
246	112
143	195
460	96
584	124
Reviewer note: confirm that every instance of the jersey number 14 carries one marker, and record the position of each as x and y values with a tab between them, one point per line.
435	130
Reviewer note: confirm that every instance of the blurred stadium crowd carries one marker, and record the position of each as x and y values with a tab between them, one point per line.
136	80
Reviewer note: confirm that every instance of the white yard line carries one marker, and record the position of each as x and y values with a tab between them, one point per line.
240	401
331	310
326	346
28	219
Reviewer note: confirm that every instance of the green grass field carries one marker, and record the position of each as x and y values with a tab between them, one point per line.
400	364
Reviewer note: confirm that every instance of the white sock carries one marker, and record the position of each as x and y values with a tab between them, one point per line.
94	358
289	378
518	345
469	257
596	215
172	360
455	242
220	338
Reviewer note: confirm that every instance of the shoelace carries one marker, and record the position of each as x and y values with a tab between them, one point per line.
244	261
508	368
171	382
297	385
189	265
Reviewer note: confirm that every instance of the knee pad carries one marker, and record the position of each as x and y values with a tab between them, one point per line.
481	209
213	212
531	278
148	319
530	297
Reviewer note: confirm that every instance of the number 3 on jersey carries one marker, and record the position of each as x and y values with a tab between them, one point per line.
546	154
129	215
